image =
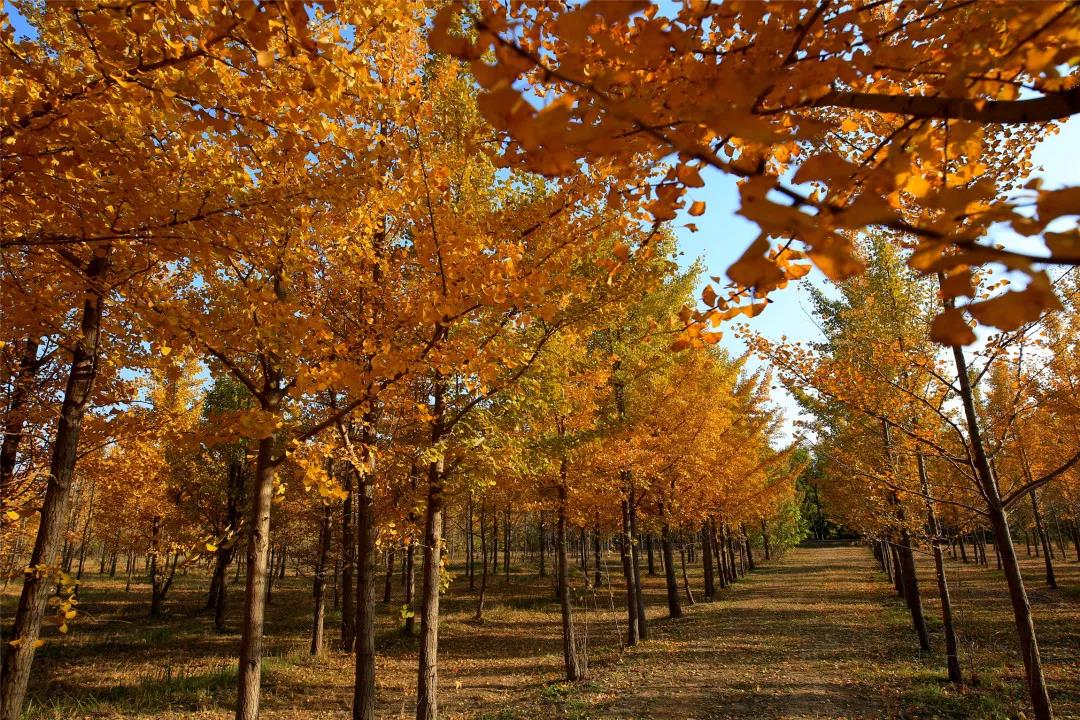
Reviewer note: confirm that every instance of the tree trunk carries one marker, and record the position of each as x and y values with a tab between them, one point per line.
635	553
952	656
718	550
54	511
596	556
674	609
746	545
14	420
685	577
348	564
427	686
650	554
364	688
258	549
506	545
470	543
409	564
388	581
570	657
543	570
707	563
318	589
765	539
898	571
999	520
1040	531
479	615
628	573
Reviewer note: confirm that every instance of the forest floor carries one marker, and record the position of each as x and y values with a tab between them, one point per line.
817	634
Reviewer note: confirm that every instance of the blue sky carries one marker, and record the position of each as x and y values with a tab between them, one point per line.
723	235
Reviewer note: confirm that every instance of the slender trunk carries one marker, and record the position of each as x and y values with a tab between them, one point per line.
258	550
409	565
596	555
570	657
364	688
318	589
707	562
583	544
746	545
951	653
643	625
348	564
1040	531
270	575
85	539
54	511
685	577
388	581
543	570
130	569
427	687
730	551
718	550
650	554
470	542
674	609
907	555
628	573
479	615
765	539
999	520
14	418
898	571
506	545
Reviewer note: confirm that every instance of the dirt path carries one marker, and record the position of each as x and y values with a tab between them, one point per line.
803	638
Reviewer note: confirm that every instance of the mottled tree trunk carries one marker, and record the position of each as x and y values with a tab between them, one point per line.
318	589
348	564
635	553
364	688
999	520
570	657
707	562
54	510
479	615
628	573
427	686
674	608
258	550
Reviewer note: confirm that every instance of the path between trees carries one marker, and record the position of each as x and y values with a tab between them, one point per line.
802	638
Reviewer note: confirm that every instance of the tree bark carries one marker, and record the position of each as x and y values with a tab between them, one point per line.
249	678
999	520
427	686
364	688
318	589
674	608
570	657
33	601
952	656
388	581
707	563
1040	531
479	615
685	577
348	564
596	556
14	419
628	573
635	553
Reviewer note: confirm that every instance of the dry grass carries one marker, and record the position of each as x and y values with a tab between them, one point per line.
816	635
